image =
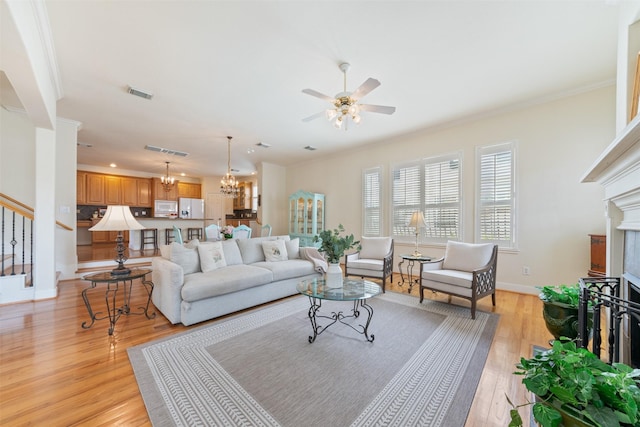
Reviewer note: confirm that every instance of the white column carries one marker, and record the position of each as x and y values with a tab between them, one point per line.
44	277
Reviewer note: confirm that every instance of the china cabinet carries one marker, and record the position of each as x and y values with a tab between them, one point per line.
306	216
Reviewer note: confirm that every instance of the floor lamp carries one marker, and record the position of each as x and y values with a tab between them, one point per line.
417	222
118	218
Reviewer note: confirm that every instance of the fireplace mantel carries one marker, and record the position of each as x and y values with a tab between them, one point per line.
618	170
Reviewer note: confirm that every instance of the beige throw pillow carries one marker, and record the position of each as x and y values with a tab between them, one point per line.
293	248
274	250
211	256
186	256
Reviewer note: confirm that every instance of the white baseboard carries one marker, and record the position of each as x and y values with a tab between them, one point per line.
518	288
13	289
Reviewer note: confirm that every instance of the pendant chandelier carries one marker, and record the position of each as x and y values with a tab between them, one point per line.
229	183
167	180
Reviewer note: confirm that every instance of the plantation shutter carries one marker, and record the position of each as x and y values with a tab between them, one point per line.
372	195
496	208
406	198
442	199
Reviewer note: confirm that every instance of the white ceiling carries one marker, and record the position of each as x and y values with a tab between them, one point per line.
219	68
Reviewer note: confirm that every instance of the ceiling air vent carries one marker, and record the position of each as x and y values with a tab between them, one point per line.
263	145
165	151
138	92
310	148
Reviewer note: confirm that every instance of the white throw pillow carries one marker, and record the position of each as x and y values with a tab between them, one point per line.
211	256
466	256
186	256
274	250
293	248
374	247
251	250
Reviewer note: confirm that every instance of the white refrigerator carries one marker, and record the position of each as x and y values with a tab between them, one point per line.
191	208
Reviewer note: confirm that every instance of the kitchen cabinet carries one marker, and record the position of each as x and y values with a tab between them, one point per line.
144	193
107	236
81	188
129	191
306	216
237	222
243	201
188	189
95	189
159	193
112	190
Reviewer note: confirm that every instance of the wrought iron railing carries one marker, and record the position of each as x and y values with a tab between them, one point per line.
596	294
16	232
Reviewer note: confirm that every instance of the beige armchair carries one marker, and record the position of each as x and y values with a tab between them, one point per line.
374	260
466	271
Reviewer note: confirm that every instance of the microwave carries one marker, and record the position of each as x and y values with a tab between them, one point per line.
165	208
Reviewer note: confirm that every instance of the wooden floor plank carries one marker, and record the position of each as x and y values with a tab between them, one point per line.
54	372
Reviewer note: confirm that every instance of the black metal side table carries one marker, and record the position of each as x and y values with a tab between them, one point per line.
411	259
113	285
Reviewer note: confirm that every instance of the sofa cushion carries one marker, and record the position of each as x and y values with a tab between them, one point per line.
186	256
287	269
232	278
231	252
466	256
293	248
211	256
274	250
375	247
251	250
451	277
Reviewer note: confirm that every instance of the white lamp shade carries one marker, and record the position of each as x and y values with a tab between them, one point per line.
417	220
117	218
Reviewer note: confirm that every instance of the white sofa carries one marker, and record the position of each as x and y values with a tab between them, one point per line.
198	281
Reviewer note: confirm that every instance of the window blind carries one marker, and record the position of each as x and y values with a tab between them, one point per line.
372	196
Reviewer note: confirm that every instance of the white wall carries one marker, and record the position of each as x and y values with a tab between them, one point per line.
272	188
557	141
17	141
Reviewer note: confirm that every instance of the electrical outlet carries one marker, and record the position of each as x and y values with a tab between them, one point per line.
526	271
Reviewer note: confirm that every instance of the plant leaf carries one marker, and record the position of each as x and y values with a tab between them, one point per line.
546	415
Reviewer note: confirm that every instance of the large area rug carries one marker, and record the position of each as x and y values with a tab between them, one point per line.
258	368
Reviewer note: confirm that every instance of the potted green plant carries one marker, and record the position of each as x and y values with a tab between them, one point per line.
560	309
573	387
333	245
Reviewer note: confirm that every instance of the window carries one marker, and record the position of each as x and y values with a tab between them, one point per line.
433	187
495	194
372	196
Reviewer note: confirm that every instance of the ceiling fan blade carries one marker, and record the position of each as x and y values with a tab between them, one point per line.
377	108
314	116
365	88
318	95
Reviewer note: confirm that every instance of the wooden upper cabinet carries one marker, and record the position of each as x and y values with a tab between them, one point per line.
159	193
144	193
81	188
187	189
95	189
129	191
113	190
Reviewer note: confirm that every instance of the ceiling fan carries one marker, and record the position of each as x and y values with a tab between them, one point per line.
345	104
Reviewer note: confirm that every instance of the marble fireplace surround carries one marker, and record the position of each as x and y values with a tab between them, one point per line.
618	171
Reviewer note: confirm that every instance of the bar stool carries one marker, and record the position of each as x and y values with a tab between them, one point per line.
194	233
168	236
149	236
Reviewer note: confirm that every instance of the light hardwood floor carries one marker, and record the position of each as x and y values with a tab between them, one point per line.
55	373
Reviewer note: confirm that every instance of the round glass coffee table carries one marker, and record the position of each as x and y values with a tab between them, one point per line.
356	290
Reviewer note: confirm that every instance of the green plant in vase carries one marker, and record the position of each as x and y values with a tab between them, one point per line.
333	245
560	310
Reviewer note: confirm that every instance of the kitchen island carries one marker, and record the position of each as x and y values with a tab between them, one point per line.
162	224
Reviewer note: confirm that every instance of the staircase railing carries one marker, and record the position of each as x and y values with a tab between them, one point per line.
16	232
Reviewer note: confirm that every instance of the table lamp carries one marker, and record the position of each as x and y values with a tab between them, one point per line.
417	222
118	218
